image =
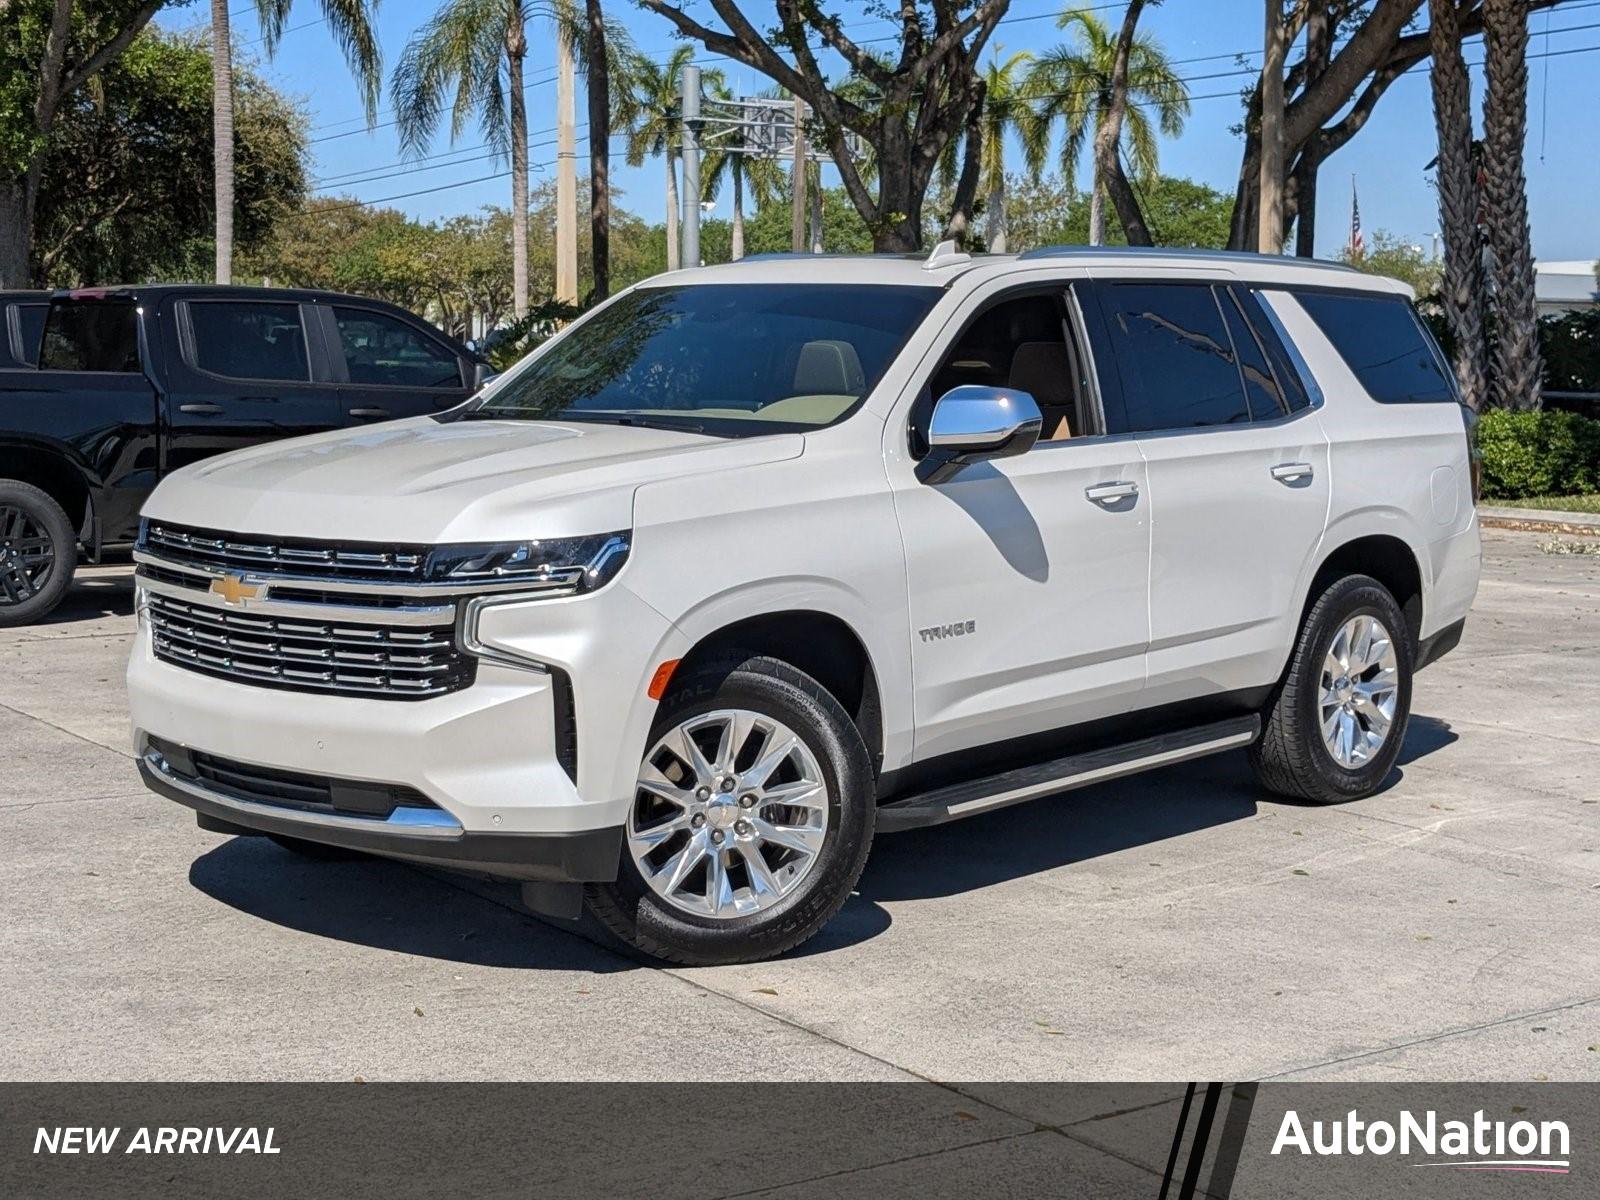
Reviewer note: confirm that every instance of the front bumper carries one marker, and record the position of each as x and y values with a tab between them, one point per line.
423	835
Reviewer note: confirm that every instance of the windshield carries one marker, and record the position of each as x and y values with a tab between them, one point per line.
727	359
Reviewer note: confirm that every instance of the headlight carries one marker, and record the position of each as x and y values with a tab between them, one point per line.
579	564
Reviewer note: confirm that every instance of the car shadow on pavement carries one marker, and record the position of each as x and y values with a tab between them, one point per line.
387	906
1075	826
91	596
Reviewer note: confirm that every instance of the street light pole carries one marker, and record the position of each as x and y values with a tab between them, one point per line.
691	166
797	178
566	172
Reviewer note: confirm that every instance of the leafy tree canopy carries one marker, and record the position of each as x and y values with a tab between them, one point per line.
1397	258
126	190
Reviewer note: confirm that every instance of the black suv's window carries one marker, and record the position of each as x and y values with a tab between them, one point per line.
1383	343
1173	357
30	329
379	349
725	359
247	339
90	335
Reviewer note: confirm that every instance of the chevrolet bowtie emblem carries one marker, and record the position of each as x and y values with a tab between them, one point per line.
234	590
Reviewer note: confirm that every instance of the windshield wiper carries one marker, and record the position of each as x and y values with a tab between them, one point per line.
632	420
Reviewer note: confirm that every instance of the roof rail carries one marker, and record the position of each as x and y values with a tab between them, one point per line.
1177	252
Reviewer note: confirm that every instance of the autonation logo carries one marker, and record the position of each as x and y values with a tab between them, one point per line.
1476	1145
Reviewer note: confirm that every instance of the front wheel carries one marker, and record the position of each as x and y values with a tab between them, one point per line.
751	820
1335	724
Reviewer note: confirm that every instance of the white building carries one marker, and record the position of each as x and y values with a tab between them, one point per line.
1565	286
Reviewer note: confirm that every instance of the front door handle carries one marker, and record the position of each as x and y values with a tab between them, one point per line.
1292	472
1110	493
369	412
200	410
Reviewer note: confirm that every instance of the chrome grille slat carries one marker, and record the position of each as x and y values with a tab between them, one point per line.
338	657
222	550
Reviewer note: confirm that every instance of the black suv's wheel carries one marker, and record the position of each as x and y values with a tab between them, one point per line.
38	553
1335	724
751	820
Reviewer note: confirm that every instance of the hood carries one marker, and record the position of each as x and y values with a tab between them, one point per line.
421	480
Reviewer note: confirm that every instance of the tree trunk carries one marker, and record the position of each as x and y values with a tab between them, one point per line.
814	202
672	209
959	226
1097	210
995	234
222	136
516	49
1461	284
738	209
1319	45
599	103
1505	118
1269	232
16	232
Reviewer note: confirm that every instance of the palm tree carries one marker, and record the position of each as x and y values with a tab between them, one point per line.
654	92
471	55
728	162
351	24
1461	285
1072	83
1505	121
1005	108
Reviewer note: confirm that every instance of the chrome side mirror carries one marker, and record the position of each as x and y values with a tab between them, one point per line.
974	424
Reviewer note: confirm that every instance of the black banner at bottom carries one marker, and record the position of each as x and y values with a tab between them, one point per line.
875	1141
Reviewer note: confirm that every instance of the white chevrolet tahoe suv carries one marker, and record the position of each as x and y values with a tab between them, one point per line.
756	561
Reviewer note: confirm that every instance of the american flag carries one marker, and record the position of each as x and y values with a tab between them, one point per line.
1358	244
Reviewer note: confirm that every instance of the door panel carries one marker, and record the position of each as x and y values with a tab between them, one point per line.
243	377
1027	598
1236	513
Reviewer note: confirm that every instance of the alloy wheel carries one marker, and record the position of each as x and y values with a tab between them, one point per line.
26	555
730	814
1359	689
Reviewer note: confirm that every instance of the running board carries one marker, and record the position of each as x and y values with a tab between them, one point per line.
958	800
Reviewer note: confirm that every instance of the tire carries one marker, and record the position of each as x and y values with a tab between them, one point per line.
33	526
1292	756
776	697
316	851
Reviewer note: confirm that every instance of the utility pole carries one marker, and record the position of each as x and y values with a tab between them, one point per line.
1269	237
692	125
566	172
797	178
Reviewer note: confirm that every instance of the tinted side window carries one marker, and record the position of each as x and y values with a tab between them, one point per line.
1173	357
1382	342
249	340
379	349
90	335
30	328
1260	385
1293	376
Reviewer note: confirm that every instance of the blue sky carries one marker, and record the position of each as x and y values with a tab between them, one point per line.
1201	36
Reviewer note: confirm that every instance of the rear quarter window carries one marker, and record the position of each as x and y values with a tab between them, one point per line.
90	335
1383	343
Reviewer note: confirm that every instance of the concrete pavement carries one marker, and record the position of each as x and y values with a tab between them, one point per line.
1177	925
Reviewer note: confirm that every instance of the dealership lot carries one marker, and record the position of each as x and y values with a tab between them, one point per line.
1174	925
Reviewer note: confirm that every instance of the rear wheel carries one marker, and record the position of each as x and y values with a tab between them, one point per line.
751	819
1335	725
38	553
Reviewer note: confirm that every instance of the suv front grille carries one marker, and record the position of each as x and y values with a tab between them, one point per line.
368	659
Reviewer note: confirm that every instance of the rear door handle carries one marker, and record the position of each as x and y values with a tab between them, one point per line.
1110	493
369	412
200	410
1292	472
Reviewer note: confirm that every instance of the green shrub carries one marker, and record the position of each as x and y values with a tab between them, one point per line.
1548	453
